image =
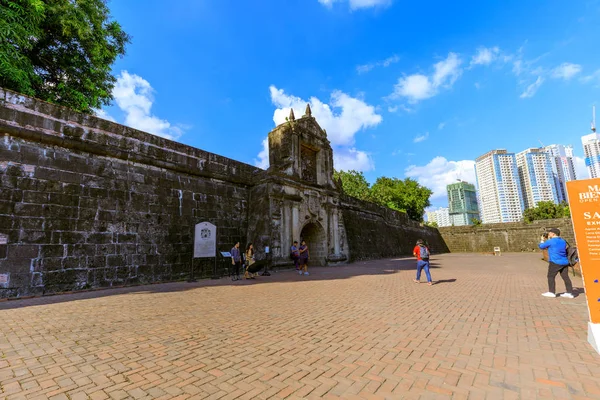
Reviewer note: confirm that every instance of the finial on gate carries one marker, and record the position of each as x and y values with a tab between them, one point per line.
292	117
308	111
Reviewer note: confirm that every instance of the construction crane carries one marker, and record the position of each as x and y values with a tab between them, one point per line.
594	119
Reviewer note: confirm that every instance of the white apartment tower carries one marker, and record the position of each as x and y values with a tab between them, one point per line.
591	152
441	217
591	149
537	178
563	167
499	187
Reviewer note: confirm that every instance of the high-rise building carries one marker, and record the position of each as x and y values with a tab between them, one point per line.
440	217
563	167
591	151
462	203
537	179
499	187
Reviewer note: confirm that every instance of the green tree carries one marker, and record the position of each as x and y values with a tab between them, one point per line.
60	51
432	224
353	183
546	210
476	221
402	195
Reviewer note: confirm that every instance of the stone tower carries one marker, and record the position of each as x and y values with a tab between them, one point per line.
297	199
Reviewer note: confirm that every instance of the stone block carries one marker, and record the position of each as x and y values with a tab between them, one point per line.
15	265
37	237
52	250
74	262
7	207
72	237
28	210
63	224
81	250
100	238
35	197
23	251
115	261
52	264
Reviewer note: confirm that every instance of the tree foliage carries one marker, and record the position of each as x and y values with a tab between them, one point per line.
60	50
547	210
402	195
353	183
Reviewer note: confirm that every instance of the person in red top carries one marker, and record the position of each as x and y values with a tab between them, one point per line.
422	253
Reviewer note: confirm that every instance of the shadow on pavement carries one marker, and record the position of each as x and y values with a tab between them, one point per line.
344	271
444	281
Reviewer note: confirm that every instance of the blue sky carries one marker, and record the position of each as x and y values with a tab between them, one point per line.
415	89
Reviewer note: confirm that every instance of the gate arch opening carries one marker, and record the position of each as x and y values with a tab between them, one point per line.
315	238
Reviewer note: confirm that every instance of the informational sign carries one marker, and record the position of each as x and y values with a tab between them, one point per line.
205	240
3	238
584	201
225	254
3	279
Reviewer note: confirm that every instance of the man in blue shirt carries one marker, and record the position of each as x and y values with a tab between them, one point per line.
295	254
236	260
557	263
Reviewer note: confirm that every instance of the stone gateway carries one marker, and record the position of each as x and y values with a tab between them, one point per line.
87	203
299	195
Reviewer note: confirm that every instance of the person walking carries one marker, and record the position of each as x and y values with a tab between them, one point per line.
295	254
249	261
421	251
558	263
236	260
303	258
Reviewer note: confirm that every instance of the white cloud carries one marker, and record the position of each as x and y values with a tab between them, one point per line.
393	109
532	89
346	159
104	115
263	156
418	87
134	96
581	170
361	69
421	138
440	172
592	78
342	118
518	67
358	4
485	56
566	71
441	125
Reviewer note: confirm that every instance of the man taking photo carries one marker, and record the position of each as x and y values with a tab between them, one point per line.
557	262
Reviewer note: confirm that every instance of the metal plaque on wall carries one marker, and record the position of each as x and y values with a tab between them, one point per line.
205	240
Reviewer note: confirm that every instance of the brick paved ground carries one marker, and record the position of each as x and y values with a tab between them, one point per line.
359	331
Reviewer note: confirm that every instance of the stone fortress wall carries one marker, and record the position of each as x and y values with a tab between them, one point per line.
510	237
87	203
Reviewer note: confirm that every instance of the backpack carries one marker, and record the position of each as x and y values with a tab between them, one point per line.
424	253
572	255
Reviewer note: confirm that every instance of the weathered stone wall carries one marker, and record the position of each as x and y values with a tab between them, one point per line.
88	203
510	237
378	232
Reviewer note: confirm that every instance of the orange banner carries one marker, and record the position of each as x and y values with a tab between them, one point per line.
584	201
